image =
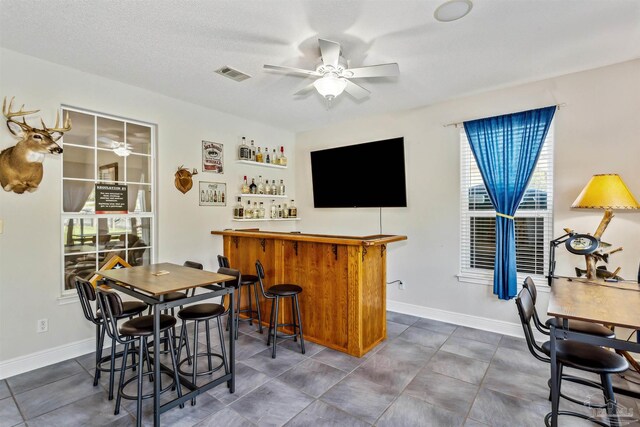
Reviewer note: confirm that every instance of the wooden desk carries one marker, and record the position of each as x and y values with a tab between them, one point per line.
616	304
141	282
343	302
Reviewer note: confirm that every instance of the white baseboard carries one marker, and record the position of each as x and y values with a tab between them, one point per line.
492	325
29	362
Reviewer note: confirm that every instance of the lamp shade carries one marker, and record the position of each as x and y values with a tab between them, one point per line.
330	86
606	191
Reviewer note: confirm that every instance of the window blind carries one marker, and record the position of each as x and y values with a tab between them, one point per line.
533	222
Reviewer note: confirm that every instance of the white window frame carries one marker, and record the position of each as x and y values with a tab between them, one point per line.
70	295
468	179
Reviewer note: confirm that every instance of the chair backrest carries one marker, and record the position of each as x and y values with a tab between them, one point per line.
86	294
530	285
260	274
111	308
526	310
193	264
231	272
223	261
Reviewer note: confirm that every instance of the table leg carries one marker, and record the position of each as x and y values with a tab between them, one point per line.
232	344
156	366
554	379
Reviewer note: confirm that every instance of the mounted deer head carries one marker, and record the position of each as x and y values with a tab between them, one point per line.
184	179
21	165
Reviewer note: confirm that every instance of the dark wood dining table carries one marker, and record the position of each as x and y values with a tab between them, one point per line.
607	303
150	283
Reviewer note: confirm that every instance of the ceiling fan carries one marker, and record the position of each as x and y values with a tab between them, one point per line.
120	148
334	73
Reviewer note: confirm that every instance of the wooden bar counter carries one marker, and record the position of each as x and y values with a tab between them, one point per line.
343	302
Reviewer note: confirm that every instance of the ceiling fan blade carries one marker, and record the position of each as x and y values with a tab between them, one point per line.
292	70
381	70
357	91
330	52
305	90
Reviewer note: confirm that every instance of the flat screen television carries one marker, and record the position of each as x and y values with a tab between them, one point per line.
362	175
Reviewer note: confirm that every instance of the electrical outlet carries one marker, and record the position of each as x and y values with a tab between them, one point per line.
43	325
401	285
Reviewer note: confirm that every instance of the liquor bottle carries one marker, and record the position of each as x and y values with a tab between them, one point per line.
256	211
274	188
259	157
253	188
274	210
274	158
281	188
293	211
283	159
202	196
222	196
253	151
279	211
244	152
285	211
267	188
260	185
238	210
215	196
268	159
261	208
245	187
248	212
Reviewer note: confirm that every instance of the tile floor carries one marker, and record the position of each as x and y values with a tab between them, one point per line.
427	373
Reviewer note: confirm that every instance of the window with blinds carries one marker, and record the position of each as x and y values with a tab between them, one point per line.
533	223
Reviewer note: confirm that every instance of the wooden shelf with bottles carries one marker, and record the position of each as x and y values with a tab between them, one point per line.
261	164
265	219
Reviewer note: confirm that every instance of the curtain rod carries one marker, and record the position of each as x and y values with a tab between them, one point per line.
458	124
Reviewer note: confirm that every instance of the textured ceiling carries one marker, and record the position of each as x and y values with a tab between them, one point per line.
173	47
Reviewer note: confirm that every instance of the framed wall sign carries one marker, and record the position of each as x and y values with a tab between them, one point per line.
213	194
212	157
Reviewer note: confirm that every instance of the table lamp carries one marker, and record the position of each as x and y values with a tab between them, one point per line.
608	192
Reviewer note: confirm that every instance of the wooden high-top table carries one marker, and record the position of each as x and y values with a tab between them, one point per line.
615	304
343	279
144	284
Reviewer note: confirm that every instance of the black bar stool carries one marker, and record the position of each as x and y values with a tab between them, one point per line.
577	355
137	329
275	293
247	281
87	294
204	313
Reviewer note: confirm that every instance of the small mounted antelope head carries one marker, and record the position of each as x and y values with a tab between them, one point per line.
184	179
21	165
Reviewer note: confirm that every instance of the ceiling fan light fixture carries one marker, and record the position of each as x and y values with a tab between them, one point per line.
122	150
330	86
453	10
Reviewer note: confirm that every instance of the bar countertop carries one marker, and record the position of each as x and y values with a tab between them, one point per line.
376	239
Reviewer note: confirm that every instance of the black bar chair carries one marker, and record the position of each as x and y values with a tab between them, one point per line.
577	355
204	313
87	295
276	293
574	325
247	281
130	332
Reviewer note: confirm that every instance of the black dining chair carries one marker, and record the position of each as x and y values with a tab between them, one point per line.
87	296
275	293
576	355
574	325
247	282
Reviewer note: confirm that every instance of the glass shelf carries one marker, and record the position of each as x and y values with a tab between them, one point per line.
263	196
266	219
265	165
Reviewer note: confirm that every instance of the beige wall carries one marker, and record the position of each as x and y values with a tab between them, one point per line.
30	247
597	132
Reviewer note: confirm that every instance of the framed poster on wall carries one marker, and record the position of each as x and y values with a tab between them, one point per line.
213	194
212	157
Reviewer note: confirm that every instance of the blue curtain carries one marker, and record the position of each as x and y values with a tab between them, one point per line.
506	149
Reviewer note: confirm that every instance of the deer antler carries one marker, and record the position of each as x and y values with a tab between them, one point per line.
8	114
65	127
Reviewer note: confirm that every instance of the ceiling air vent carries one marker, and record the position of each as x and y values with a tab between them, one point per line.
235	75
